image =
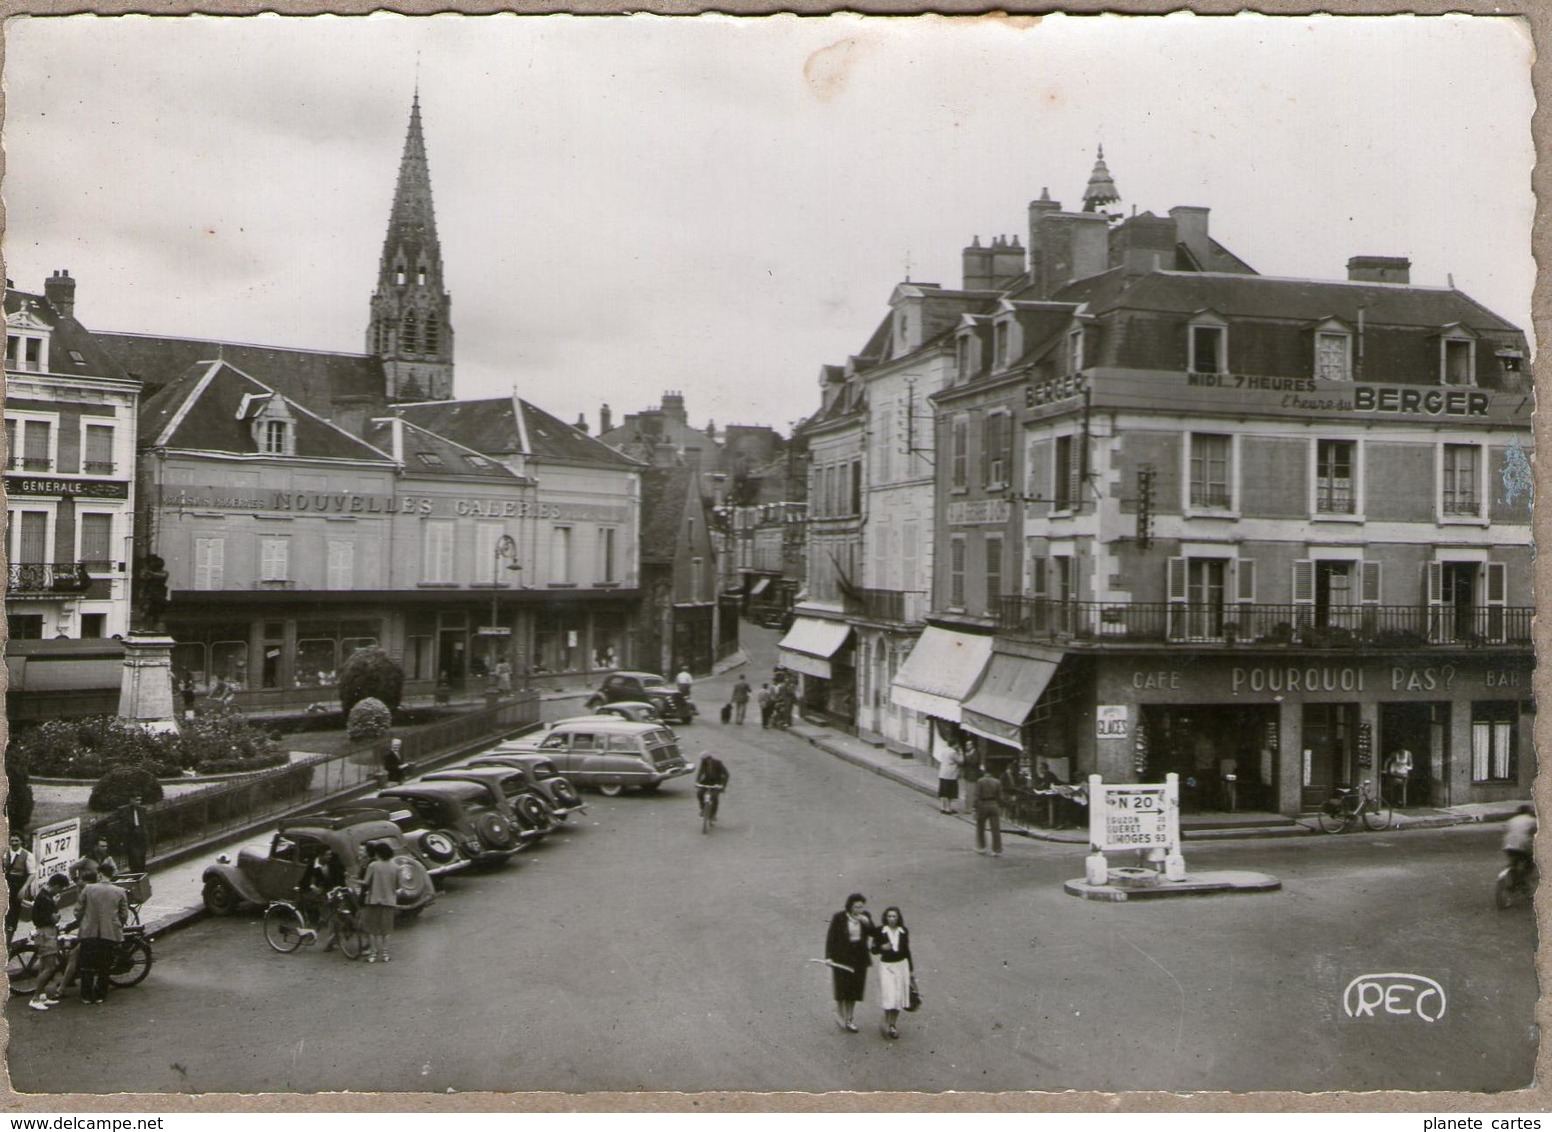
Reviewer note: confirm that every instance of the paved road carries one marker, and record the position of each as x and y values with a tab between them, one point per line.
632	952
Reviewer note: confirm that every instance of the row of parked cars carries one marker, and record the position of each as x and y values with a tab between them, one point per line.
480	812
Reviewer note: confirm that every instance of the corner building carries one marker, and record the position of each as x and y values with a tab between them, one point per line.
1260	532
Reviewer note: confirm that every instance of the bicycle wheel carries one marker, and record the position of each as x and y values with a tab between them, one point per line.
1377	814
21	969
352	940
1333	817
706	816
1503	892
283	928
133	965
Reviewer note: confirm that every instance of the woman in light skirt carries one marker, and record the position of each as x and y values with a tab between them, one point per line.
380	899
892	945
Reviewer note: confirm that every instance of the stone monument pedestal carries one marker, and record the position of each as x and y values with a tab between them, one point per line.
145	688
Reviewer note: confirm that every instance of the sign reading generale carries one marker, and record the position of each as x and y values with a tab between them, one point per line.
50	485
362	503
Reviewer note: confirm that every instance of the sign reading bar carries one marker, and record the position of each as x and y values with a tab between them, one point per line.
53	485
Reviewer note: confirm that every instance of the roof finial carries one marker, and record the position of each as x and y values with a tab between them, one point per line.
1102	188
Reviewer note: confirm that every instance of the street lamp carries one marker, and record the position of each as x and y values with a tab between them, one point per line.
506	548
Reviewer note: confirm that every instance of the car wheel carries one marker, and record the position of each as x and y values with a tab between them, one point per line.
564	794
610	789
595	701
438	848
414	883
536	812
494	830
221	898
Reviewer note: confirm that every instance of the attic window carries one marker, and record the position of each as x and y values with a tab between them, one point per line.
1511	360
1457	360
430	459
1334	356
275	437
1207	345
477	461
75	356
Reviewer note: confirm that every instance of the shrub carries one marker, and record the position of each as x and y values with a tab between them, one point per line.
369	721
89	748
121	784
370	672
19	801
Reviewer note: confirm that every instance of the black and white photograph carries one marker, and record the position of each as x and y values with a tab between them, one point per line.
699	555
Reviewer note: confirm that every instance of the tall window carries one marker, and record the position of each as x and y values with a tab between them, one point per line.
960	456
962	358
29	536
1460	480
97	542
98	459
606	557
856	487
1075	350
342	564
209	563
956	572
885	454
1210	470
433	333
1333	357
1458	362
1493	740
560	556
1334	460
37	446
1000	344
437	565
996	447
409	333
274	559
993	571
1065	475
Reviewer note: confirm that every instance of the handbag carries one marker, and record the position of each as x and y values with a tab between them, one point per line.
916	999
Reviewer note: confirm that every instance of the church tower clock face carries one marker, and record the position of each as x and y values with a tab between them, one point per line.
409	326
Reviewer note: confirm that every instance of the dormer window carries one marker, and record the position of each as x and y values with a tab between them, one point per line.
1000	336
962	361
1333	352
273	426
430	459
276	438
1457	356
26	353
1207	345
1075	350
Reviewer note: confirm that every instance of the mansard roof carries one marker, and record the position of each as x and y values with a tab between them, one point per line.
510	426
68	339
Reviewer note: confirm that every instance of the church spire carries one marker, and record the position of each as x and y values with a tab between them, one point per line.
1102	189
409	327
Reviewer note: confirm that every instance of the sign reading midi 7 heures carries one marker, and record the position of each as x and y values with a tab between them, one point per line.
1130	816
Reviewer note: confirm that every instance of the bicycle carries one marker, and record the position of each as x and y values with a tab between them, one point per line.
1348	805
710	796
132	960
1516	881
286	926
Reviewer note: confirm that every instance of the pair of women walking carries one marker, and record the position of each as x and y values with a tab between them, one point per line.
850	946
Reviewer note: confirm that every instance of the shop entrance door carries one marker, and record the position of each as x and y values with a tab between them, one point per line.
1424	730
1220	751
453	658
1330	751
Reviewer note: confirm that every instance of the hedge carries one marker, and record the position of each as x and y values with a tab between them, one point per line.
88	748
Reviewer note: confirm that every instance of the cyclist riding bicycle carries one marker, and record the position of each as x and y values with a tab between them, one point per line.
1518	834
712	772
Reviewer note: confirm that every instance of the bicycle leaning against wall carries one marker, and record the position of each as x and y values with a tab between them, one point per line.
1348	806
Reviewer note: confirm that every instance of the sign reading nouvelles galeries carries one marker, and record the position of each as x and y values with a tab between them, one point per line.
271	501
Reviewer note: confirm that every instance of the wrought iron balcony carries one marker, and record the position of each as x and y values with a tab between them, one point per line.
1353	626
904	607
47	578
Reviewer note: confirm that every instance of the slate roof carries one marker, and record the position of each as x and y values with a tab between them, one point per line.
199	411
453	459
67	338
664	492
493	426
314	378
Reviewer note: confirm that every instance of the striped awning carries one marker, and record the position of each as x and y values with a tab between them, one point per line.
1008	693
941	672
810	644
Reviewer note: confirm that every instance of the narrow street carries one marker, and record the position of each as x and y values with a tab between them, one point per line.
632	952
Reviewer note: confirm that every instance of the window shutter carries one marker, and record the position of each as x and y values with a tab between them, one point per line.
1176	589
1245	580
1497	595
1177	579
1434	585
1369	591
1074	473
1304	582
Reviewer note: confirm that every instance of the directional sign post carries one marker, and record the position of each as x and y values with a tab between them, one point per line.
1144	816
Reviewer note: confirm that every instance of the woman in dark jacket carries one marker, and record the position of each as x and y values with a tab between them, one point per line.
848	949
892	945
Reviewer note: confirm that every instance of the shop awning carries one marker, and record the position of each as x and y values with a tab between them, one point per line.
1007	695
941	672
810	643
759	587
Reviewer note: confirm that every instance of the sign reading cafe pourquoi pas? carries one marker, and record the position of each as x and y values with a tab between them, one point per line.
277	502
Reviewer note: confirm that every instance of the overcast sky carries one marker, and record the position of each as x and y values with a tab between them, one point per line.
721	206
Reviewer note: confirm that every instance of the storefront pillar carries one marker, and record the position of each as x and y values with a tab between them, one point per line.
1458	781
1290	745
1373	762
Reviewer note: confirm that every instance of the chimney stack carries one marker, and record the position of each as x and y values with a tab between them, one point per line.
1379	269
581	425
605	419
59	290
673	407
1191	230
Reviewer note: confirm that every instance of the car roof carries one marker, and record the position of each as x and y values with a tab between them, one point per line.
639	675
467	773
619	705
372	829
440	789
511	756
606	723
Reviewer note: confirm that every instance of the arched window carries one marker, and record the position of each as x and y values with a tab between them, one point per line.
409	336
420	277
432	335
398	275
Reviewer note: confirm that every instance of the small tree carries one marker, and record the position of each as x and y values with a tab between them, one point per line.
371	672
368	721
18	802
122	784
